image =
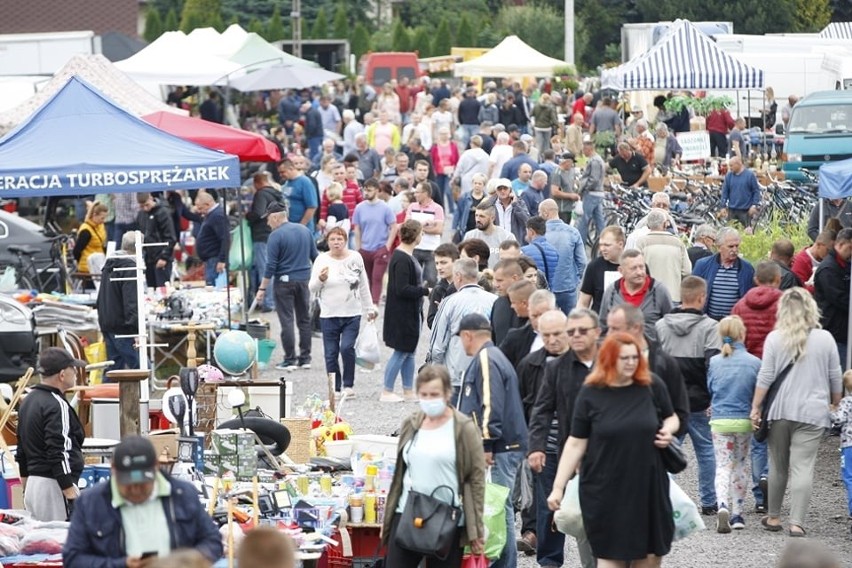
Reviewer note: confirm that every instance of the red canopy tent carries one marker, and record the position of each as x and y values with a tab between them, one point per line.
248	146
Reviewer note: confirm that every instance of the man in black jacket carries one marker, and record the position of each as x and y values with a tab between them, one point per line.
503	317
155	222
536	539
214	239
627	318
528	304
118	312
264	194
831	291
551	415
50	439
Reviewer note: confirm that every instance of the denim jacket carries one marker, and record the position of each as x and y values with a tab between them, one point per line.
731	381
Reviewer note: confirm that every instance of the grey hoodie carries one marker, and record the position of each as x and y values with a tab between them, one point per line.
692	338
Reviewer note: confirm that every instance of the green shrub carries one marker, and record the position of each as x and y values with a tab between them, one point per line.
756	247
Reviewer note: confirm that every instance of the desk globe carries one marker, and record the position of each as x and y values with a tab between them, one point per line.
235	351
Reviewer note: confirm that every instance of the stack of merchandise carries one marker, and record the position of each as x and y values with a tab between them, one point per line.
233	454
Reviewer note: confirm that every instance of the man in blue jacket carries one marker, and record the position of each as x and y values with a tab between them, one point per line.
728	276
214	237
740	193
490	395
139	515
544	254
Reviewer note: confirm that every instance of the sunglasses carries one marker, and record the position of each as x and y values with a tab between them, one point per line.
581	331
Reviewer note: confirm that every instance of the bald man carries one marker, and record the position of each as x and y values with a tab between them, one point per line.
214	237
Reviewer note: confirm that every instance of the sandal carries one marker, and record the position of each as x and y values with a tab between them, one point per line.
768	527
797	533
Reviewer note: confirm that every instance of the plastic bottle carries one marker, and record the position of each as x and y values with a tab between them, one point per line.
381	499
370	507
370	481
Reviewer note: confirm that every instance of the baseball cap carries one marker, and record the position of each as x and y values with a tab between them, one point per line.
635	108
134	460
526	138
54	359
567	156
474	322
274	207
503	182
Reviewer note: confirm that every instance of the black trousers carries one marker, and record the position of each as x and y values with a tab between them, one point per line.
401	558
718	144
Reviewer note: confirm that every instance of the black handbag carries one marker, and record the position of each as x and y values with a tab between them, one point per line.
674	460
762	431
428	525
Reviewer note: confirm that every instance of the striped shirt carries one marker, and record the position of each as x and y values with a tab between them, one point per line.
724	293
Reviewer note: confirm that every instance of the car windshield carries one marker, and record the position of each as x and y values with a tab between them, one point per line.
821	119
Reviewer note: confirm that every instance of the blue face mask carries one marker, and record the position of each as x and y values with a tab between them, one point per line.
433	407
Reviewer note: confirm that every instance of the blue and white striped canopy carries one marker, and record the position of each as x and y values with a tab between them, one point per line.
684	59
837	30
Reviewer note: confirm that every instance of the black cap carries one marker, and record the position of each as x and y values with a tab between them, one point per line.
567	156
134	460
274	207
54	359
474	322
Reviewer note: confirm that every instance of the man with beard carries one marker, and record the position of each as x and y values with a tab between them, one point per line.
488	232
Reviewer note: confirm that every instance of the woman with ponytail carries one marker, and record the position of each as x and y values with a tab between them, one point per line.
731	379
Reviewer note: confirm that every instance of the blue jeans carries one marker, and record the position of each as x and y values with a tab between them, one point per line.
841	350
210	273
121	350
759	467
258	267
592	211
443	182
566	301
469	131
338	338
402	362
314	145
550	550
503	472
846	474
698	429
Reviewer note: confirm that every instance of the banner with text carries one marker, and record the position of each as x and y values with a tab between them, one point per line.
695	144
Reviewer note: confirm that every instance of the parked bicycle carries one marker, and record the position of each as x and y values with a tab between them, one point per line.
44	276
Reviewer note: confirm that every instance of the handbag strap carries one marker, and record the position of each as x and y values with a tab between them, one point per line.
776	385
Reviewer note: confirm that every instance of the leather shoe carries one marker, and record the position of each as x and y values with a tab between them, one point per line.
527	543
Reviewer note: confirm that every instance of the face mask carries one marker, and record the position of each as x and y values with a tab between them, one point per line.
433	407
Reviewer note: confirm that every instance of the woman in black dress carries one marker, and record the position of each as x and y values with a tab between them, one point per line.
403	312
615	433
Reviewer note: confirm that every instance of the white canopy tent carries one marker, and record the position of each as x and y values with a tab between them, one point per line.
510	58
685	58
837	30
245	48
173	59
98	71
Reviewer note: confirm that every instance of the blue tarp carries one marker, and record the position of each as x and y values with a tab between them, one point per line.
80	142
835	179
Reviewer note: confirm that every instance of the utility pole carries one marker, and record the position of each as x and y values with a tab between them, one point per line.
296	25
569	31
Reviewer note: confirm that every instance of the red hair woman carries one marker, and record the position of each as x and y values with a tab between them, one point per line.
622	415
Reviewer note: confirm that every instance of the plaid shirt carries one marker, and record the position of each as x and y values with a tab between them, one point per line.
126	208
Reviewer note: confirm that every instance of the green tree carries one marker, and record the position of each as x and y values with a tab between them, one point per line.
465	35
414	13
360	40
171	24
340	24
540	27
422	42
199	13
811	15
256	27
400	37
320	29
275	27
217	23
442	43
153	24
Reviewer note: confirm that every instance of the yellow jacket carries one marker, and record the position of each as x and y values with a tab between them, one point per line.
97	243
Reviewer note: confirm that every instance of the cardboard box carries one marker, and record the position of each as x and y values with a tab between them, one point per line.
232	442
165	443
243	466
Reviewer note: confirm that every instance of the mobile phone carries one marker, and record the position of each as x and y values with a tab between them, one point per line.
149	554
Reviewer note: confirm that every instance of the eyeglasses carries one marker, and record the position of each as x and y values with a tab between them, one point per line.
628	358
581	331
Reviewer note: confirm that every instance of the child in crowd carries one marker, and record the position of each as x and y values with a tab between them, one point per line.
842	417
338	214
731	379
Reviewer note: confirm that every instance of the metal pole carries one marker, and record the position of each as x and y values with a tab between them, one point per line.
296	25
569	32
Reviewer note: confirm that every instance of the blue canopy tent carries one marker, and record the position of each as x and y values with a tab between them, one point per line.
79	143
835	182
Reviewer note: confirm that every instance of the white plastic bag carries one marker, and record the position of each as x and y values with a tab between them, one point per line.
367	347
569	518
687	519
9	280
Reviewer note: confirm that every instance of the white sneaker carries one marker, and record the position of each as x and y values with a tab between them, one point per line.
390	397
349	392
723	524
